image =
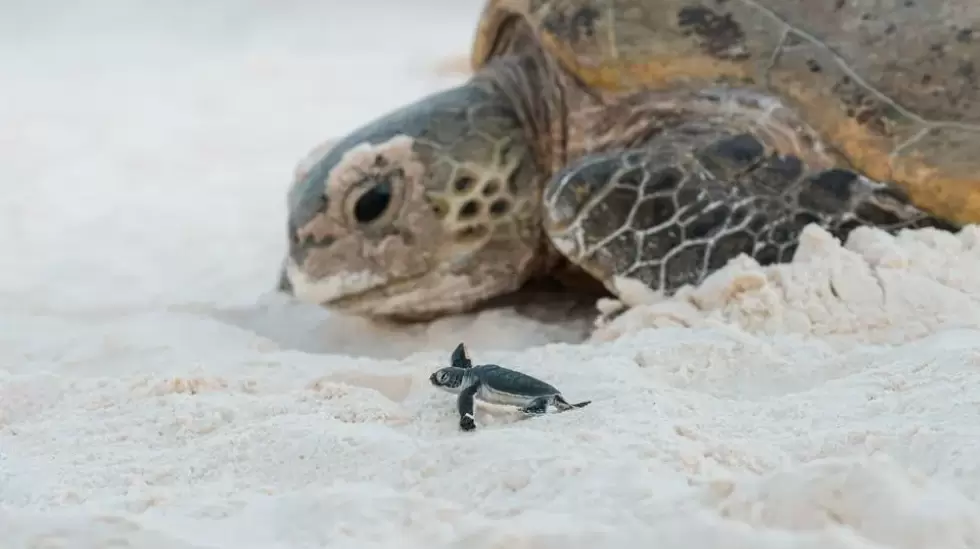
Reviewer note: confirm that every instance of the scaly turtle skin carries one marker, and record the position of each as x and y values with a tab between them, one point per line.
645	143
495	385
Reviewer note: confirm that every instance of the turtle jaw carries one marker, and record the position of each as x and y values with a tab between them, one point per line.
419	298
344	290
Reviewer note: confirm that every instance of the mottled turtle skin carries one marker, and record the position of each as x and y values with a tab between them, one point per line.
644	144
495	385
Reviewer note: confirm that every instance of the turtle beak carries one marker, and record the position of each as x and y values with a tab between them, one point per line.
432	379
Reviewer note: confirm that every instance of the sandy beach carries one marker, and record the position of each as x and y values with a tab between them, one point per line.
156	393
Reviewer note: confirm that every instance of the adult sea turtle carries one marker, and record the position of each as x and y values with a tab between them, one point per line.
644	142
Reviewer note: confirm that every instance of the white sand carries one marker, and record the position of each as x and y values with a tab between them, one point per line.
148	400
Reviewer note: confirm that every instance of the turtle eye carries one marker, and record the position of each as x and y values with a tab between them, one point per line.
443	377
373	203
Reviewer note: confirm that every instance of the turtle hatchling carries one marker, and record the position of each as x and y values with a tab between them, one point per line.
634	145
495	385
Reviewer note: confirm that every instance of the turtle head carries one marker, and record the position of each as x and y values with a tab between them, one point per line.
449	378
429	210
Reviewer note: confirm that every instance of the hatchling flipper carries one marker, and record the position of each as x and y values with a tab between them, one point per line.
675	211
537	406
466	404
540	405
563	405
460	358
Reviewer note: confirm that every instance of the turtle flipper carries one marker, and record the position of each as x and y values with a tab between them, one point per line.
678	209
466	404
564	406
540	405
537	406
460	358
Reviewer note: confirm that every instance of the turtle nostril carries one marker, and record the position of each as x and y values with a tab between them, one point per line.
301	245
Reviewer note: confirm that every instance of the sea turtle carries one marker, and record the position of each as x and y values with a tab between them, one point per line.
644	143
495	385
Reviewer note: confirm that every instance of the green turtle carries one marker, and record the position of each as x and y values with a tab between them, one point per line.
495	385
644	144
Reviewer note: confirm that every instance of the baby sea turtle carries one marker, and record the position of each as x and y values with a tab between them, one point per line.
642	144
495	385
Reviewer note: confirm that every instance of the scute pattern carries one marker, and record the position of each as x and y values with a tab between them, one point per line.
918	53
700	205
475	199
873	77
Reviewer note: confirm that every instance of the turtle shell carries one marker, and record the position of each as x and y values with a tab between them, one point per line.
893	85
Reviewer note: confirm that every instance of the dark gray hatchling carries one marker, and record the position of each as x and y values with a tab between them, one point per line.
495	385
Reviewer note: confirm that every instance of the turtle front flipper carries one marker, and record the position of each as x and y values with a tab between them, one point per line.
680	208
466	405
460	358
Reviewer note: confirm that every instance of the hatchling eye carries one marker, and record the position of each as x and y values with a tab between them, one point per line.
443	377
373	203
